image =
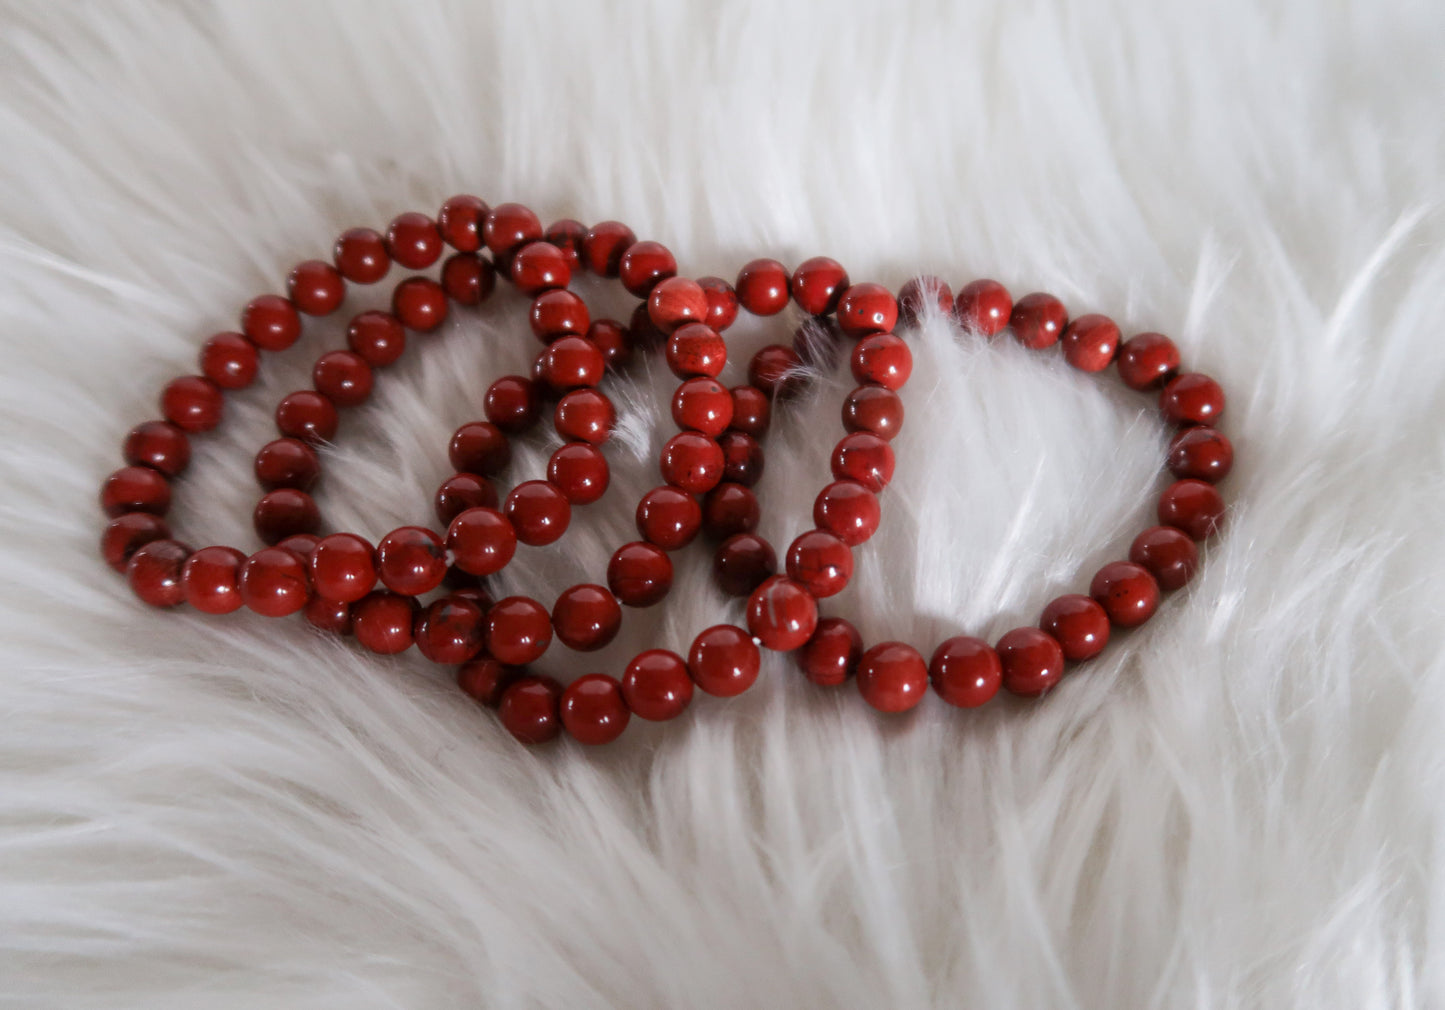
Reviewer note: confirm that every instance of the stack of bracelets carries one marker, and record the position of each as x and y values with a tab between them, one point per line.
708	469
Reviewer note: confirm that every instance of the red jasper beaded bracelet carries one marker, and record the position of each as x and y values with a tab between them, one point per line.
715	456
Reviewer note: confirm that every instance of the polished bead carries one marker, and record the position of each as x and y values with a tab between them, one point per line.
479	447
1147	360
722	302
412	560
743	458
343	567
1192	398
1194	506
413	241
529	709
818	285
918	293
696	349
211	580
154	573
538	267
820	563
965	671
1031	661
867	308
782	614
274	582
644	265
287	462
762	287
481	541
283	513
230	360
538	511
604	245
315	287
702	404
593	709
580	472
450	631
307	415
462	491
468	279
882	359
572	363
1168	554
124	535
460	222
639	574
378	337
831	656
983	306
752	410
848	510
586	617
1201	453
519	629
484	679
692	461
668	517
584	415
656	685
558	313
1090	342
873	409
568	235
1079	624
192	403
892	677
331	616
513	404
729	509
303	545
419	303
135	489
270	322
613	340
676	301
384	622
343	377
1038	320
360	254
159	445
742	563
1126	591
724	661
864	457
775	370
508	226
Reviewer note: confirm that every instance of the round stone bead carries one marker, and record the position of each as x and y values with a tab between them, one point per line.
692	461
483	679
752	411
762	287
1168	554
1126	591
519	629
722	302
307	415
863	457
468	279
1079	624
918	293
211	580
847	510
892	677
230	361
572	363
450	631
508	227
775	370
742	458
724	661
284	513
287	462
558	313
343	377
513	403
1147	361
613	340
568	236
378	337
343	567
1090	342
413	241
882	359
645	265
668	517
983	306
704	405
155	573
593	709
460	222
676	301
782	614
360	254
873	409
656	685
192	403
479	447
965	671
867	308
274	582
159	445
315	287
135	489
124	535
586	617
384	622
603	246
411	560
1032	661
529	709
831	655
538	511
270	322
1194	506
538	267
1192	398
584	415
818	285
481	541
1038	320
742	563
419	303
462	491
639	574
1200	453
696	349
729	509
820	562
580	472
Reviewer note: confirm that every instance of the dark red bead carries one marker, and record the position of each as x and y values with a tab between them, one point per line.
343	567
538	511
722	302
343	377
639	574
572	363
586	617
883	360
782	614
696	349
360	254
1194	506
519	629
135	489
1079	624
752	410
640	331
468	279
558	313
1192	398
818	285
159	445
743	458
1147	360
864	457
820	563
513	404
450	631
1200	453
867	308
613	340
568	236
743	562
303	545
775	370
462	491
384	622
729	509
644	265
593	710
419	303
848	510
1090	342
124	535
918	293
274	582
538	267
411	560
724	661
656	685
762	287
283	513
604	245
331	616
230	361
192	403
892	677
154	572
484	679
378	337
1038	320
413	241
481	541
584	415
307	415
1031	660
692	461
965	671
270	322
668	517
211	578
287	462
702	404
873	409
983	306
580	472
831	655
1126	591
529	709
479	447
315	287
1168	554
676	301
460	222
508	226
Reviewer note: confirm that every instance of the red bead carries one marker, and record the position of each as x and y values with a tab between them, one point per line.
864	457
360	254
450	631
412	560
1031	660
572	363
580	472
613	340
820	562
656	685
558	313
723	661
484	679
513	403
135	489
782	614
479	447
274	582
159	445
270	322
743	458
775	370
831	656
384	622
419	303
343	567
676	301
316	287
468	279
593	710
378	337
519	629
604	245
692	461
538	267
283	513
668	517
509	226
1194	506
1038	320
1079	624
762	287
743	562
192	403
568	236
331	616
818	285
306	415
1090	342
462	491
413	240
703	405
848	510
867	308
644	265
965	671
639	574
586	617
230	360
1201	453
752	410
460	222
882	359
640	330
696	349
1192	398
730	509
983	306
918	293
211	579
1147	360
722	302
124	535
528	709
584	415
1168	554
343	377
892	677
538	511
287	462
1126	591
481	541
873	409
303	545
154	572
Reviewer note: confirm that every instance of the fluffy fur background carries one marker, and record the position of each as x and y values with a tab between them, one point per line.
1238	806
